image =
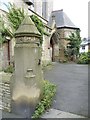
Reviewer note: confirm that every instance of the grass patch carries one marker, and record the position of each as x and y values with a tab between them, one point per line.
46	101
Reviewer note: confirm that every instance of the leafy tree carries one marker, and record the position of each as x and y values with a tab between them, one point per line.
74	43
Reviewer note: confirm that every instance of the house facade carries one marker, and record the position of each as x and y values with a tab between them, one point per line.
85	45
64	28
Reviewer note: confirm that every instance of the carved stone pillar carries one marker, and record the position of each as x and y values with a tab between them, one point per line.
27	81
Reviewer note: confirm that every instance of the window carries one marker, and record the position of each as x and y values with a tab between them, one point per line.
83	47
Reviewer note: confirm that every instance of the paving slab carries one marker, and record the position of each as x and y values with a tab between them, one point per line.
53	113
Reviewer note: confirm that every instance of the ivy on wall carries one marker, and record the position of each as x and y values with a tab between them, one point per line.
40	26
15	16
4	31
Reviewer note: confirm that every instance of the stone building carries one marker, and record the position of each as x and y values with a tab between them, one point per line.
43	7
7	49
19	3
64	28
47	8
85	45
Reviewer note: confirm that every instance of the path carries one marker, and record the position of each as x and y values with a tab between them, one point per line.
72	92
72	87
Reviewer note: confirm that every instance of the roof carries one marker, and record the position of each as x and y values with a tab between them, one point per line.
61	19
37	14
85	41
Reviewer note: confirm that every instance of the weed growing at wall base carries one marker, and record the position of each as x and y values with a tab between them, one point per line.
46	101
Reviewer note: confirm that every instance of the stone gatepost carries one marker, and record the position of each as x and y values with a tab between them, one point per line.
27	82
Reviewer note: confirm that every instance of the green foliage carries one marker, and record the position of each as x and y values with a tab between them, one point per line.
38	23
46	101
4	31
40	26
74	43
84	58
2	39
14	18
15	15
9	69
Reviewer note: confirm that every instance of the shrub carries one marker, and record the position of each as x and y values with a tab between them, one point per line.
46	101
84	58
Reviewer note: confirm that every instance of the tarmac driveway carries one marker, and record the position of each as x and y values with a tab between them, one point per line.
72	87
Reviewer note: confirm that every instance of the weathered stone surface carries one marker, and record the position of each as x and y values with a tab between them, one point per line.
5	96
26	86
27	28
25	40
46	51
64	33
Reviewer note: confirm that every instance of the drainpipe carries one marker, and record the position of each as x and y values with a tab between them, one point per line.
8	49
8	52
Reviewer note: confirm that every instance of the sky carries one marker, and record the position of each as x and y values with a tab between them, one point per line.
77	11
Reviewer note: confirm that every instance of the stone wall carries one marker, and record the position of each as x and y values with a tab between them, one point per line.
4	47
61	44
4	54
46	51
64	33
5	101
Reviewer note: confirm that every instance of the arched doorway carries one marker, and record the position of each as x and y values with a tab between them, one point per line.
55	47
